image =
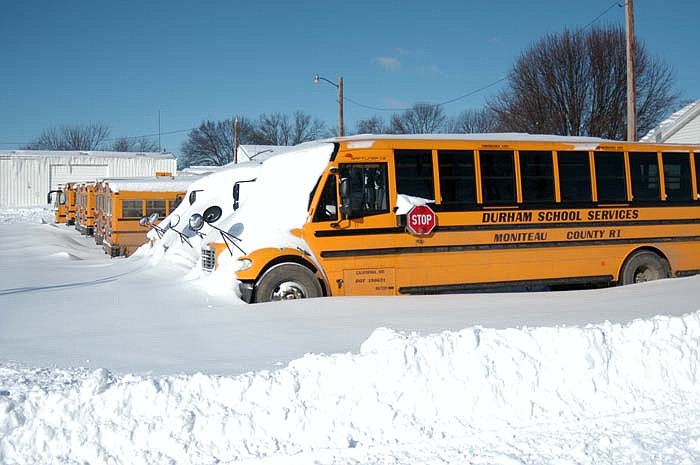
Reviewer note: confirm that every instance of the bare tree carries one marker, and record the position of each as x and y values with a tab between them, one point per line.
276	129
80	137
307	129
373	125
473	122
212	142
130	144
422	118
574	83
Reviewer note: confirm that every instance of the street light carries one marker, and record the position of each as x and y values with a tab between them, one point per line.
338	86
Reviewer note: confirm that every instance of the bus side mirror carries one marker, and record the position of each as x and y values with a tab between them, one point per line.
196	222
143	221
152	218
236	195
345	195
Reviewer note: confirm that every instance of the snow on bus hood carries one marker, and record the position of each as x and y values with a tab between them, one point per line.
277	201
213	189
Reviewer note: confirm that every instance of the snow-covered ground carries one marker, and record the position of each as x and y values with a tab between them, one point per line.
139	361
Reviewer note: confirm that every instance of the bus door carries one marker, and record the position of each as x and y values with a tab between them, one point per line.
347	238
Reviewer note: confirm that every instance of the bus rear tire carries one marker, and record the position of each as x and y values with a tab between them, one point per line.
287	281
643	266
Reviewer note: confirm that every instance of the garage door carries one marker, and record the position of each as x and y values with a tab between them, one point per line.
61	174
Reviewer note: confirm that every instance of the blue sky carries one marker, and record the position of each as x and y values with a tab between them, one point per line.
120	62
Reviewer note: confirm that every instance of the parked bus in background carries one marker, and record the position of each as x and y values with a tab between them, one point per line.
125	202
389	215
59	204
64	203
85	208
100	207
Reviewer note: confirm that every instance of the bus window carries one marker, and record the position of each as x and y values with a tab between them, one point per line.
368	188
644	168
497	176
327	209
537	176
677	176
414	173
457	178
610	176
156	206
132	209
574	176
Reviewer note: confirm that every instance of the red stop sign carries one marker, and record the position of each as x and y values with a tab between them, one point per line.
421	220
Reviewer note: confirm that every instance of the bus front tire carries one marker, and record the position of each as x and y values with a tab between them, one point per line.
643	266
287	281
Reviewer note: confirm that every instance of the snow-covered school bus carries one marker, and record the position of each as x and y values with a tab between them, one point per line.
85	208
388	215
125	202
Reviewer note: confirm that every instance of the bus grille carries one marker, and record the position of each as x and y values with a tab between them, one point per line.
208	259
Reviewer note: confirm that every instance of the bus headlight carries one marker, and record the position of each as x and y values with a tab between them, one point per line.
244	264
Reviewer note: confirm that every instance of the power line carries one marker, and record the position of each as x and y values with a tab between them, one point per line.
616	2
446	102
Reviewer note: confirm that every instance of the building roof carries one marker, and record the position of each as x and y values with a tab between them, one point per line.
83	154
690	114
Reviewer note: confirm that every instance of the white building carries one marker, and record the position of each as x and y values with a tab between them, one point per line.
26	176
682	127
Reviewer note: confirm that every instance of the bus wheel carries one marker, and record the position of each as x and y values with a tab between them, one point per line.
645	266
287	281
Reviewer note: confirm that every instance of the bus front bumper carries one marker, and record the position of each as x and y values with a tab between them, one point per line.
246	290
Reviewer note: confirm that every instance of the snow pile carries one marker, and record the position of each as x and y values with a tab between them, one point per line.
26	215
400	389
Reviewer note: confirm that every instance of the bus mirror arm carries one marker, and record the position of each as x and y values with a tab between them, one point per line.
237	191
183	238
229	238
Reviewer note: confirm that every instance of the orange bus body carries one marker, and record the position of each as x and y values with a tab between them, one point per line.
85	208
119	228
513	210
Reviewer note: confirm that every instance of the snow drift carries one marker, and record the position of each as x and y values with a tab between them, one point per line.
400	388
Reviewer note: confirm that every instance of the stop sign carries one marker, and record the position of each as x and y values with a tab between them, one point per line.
421	220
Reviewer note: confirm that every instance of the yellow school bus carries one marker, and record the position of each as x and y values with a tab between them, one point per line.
59	203
124	202
64	203
428	214
100	209
85	208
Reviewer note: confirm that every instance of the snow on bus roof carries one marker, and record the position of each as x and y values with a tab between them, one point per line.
495	137
162	184
578	142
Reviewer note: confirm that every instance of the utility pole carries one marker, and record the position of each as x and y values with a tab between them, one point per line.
631	91
235	140
341	131
339	86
